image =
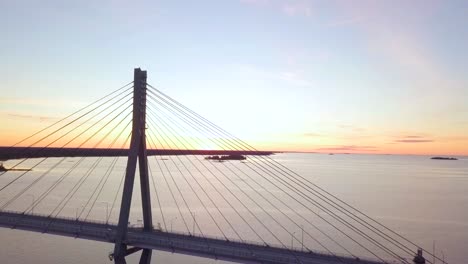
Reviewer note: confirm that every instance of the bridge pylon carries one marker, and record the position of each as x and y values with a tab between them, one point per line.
137	152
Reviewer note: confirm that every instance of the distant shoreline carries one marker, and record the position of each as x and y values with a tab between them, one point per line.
387	154
7	153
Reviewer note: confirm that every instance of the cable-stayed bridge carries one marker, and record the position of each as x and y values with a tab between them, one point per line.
131	168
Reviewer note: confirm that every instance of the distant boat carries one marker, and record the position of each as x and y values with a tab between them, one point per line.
444	158
226	157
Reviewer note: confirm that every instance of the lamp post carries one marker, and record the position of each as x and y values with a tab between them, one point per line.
33	201
292	239
76	211
172	219
302	237
107	211
194	221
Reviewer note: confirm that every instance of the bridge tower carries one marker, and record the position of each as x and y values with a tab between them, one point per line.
136	152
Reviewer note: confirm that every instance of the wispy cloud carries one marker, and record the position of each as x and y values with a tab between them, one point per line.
413	139
350	148
41	118
405	50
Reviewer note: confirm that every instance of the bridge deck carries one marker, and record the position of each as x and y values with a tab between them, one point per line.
171	242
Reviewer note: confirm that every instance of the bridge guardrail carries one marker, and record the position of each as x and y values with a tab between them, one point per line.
270	245
138	229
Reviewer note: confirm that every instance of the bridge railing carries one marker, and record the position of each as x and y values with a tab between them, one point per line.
270	245
59	218
273	246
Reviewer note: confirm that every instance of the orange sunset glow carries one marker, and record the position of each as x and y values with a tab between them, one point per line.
331	77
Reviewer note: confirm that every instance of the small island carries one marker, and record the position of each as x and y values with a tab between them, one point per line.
226	157
443	158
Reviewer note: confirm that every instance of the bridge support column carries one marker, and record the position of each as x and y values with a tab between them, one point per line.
137	152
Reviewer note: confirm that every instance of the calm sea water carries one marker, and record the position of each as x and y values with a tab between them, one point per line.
425	200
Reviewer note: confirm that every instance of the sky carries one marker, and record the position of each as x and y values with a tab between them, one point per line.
292	75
